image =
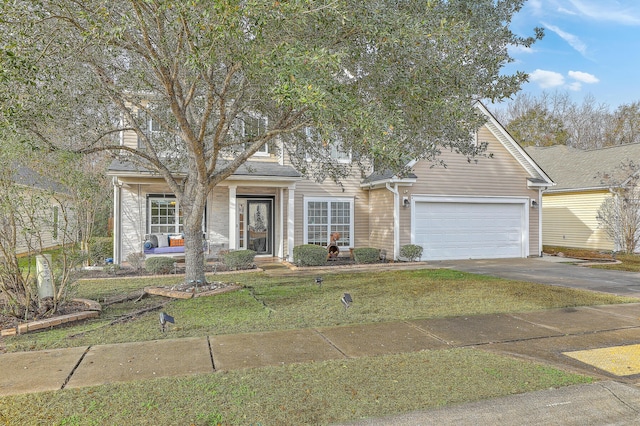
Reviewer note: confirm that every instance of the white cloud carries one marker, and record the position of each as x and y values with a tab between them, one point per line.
551	79
536	6
546	79
573	40
583	77
520	49
621	12
575	86
567	11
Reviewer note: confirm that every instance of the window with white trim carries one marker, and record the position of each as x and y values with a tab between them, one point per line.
324	216
151	128
333	149
252	127
165	216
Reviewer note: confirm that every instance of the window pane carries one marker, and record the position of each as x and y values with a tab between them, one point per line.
317	216
341	220
162	216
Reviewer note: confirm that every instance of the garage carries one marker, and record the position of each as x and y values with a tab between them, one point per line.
470	228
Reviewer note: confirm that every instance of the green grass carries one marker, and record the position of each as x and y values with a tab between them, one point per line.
276	303
629	262
298	394
311	393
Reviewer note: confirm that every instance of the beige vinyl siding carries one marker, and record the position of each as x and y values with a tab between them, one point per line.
381	220
134	219
218	218
569	220
350	189
498	176
130	139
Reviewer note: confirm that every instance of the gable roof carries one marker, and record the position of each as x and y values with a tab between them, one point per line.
537	176
578	170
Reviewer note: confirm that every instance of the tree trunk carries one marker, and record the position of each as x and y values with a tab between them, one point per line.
193	238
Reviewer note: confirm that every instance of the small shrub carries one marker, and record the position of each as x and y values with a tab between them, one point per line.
239	259
366	255
111	269
412	252
100	248
309	255
159	265
136	260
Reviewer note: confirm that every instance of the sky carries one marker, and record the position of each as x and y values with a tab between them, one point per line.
590	47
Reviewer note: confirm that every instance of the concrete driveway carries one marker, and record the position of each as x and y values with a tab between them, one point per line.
554	271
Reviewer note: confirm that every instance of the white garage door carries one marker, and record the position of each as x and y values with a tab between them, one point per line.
450	229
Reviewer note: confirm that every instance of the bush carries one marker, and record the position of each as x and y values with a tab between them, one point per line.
412	252
136	260
159	265
238	259
366	255
309	255
100	248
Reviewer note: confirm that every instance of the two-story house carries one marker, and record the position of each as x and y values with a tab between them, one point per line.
484	209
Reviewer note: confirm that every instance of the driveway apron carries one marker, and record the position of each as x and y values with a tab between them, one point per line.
544	271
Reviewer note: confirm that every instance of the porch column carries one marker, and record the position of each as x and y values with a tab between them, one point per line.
117	222
291	223
233	216
280	229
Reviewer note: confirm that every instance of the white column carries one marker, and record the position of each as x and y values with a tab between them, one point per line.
233	219
280	230
117	222
291	211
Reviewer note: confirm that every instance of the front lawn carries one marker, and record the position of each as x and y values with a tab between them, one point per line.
299	394
276	303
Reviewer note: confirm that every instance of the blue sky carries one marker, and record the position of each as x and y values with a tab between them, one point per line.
589	47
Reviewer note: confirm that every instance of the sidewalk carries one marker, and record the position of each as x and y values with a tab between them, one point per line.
603	341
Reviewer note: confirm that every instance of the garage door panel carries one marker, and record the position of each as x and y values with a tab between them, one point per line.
462	230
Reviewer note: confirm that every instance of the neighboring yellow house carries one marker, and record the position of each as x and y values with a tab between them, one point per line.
467	210
583	181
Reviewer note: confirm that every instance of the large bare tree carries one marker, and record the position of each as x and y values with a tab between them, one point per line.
393	79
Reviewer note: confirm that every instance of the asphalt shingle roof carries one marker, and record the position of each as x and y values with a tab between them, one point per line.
250	168
572	168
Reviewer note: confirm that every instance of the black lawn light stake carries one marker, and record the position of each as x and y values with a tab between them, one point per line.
346	300
164	319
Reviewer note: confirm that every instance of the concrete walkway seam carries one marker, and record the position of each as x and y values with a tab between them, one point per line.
75	367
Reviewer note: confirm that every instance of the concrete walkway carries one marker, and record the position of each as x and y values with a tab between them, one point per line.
561	337
601	341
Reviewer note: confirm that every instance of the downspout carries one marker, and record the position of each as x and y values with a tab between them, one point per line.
396	219
540	191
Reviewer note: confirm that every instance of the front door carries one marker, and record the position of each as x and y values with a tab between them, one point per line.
255	225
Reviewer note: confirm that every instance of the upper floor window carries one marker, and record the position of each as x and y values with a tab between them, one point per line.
334	148
252	127
150	127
